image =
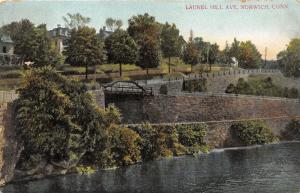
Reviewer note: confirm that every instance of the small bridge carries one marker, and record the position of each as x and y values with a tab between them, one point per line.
126	87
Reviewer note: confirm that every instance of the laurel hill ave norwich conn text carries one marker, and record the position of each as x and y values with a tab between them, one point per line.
235	7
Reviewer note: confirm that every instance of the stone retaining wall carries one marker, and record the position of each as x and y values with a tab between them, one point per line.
202	107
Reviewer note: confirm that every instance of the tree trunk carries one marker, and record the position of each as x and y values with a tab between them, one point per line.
147	70
210	67
191	68
86	71
169	64
120	69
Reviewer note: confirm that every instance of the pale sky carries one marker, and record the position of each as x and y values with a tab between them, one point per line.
271	28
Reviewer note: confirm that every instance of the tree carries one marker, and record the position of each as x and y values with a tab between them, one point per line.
44	52
202	48
75	20
191	53
33	43
113	24
225	57
234	49
121	49
84	48
289	59
249	57
170	42
214	53
146	32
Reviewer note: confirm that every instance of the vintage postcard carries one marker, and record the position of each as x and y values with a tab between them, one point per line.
149	96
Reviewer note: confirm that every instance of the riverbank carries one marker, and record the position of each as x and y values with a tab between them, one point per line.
266	168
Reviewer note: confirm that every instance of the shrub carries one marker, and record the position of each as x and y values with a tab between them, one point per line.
291	131
261	87
57	118
190	135
125	148
196	85
149	141
163	89
253	132
168	142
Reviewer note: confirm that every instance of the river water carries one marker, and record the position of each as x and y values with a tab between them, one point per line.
270	168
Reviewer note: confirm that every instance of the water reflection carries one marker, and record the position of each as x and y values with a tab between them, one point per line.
270	168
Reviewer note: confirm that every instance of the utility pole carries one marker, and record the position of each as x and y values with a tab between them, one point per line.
266	52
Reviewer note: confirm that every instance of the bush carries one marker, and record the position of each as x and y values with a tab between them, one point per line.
196	85
150	149
253	132
126	149
57	118
261	87
190	135
291	131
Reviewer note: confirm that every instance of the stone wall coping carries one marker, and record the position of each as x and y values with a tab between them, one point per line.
212	94
212	122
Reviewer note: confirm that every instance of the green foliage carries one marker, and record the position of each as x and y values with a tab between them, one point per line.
192	137
291	131
253	132
289	59
84	48
149	143
126	149
57	118
146	33
248	55
33	43
84	170
167	141
195	85
121	48
191	53
170	44
261	87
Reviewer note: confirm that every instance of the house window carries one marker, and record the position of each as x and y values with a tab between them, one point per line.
4	49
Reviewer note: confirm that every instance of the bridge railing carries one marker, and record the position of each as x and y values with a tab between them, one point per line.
128	90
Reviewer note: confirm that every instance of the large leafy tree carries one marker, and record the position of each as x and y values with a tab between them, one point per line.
289	59
170	42
32	43
59	120
249	56
75	20
146	32
44	52
121	49
84	48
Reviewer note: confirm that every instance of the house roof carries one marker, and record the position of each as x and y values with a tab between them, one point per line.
5	39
